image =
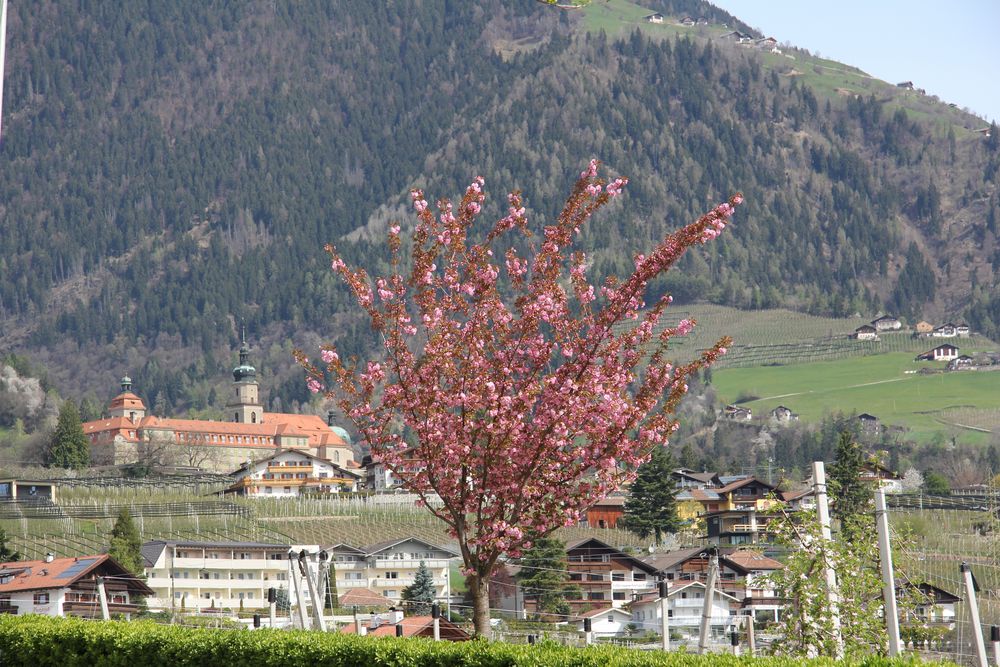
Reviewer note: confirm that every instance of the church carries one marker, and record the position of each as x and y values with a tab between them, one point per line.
130	435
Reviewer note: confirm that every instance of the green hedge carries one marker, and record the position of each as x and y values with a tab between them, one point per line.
38	641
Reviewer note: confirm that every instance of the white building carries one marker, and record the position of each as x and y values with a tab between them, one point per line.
606	622
291	473
69	587
389	567
220	575
684	607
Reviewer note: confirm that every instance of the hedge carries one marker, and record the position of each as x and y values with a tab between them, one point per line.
39	641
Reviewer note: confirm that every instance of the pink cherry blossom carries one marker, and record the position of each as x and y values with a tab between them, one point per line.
524	410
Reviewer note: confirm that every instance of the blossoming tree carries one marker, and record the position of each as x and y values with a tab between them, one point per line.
524	410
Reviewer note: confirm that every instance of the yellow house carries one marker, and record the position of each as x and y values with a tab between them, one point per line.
739	493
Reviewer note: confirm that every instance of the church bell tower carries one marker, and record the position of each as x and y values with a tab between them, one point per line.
244	405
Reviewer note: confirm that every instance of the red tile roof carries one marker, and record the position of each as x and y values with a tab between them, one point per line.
414	626
363	597
33	575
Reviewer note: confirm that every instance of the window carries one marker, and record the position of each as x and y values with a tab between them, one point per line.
236	418
250	595
288	489
595	577
617	576
177	595
119	598
670	613
41	598
618	595
253	419
242	596
240	576
595	596
392	575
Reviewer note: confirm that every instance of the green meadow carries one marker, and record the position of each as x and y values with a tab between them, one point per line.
889	386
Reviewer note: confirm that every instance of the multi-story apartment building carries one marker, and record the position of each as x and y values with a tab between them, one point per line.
220	575
388	567
605	575
292	473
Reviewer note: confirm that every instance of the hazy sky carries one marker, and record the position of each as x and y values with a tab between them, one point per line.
951	49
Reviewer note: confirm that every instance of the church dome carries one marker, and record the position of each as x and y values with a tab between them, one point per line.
244	371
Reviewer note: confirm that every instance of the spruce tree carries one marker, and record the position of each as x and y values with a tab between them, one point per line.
543	576
69	446
7	554
126	545
421	593
651	508
852	497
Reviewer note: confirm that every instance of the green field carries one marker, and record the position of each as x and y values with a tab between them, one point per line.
879	385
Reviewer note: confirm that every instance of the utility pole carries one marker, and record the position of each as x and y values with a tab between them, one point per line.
706	609
751	640
664	614
102	594
833	595
888	578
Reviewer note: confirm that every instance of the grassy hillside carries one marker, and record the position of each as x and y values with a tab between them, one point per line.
885	385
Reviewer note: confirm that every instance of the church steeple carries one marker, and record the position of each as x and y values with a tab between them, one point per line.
245	406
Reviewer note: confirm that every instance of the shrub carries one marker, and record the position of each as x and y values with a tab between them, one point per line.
41	641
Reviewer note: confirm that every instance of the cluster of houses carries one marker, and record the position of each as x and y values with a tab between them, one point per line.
889	324
617	592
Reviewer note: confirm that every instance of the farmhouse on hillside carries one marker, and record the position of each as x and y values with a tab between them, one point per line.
947	330
923	327
962	363
865	332
946	352
737	413
783	414
869	423
655	18
887	323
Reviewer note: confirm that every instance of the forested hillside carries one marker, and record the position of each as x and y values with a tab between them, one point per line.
171	169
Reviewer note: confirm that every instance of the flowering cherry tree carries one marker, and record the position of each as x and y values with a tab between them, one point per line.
524	410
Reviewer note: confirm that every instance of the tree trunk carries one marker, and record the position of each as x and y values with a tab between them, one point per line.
479	588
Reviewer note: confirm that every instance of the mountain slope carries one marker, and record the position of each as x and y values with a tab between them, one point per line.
170	170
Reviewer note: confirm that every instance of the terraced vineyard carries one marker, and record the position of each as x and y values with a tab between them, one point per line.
81	521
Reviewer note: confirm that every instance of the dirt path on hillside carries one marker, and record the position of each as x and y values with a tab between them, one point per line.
852	386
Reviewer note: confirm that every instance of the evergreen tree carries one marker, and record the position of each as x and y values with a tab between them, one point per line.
421	593
543	576
7	554
651	508
126	544
852	497
68	447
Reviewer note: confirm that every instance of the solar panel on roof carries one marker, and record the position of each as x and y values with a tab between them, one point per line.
77	568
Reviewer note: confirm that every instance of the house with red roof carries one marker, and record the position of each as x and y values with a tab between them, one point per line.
69	587
385	625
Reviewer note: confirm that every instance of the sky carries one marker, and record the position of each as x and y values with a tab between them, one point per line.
951	49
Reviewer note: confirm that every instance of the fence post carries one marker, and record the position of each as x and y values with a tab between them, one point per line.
103	595
977	629
888	578
823	514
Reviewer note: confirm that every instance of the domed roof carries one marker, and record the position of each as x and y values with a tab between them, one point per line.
344	435
244	371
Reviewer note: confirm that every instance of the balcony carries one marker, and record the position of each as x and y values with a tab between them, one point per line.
278	468
390	564
219	564
633	585
352	583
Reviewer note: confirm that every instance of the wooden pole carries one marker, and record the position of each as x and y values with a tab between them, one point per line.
888	578
833	594
751	640
706	608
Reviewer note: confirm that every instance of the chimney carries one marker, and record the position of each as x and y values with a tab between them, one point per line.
329	418
49	557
